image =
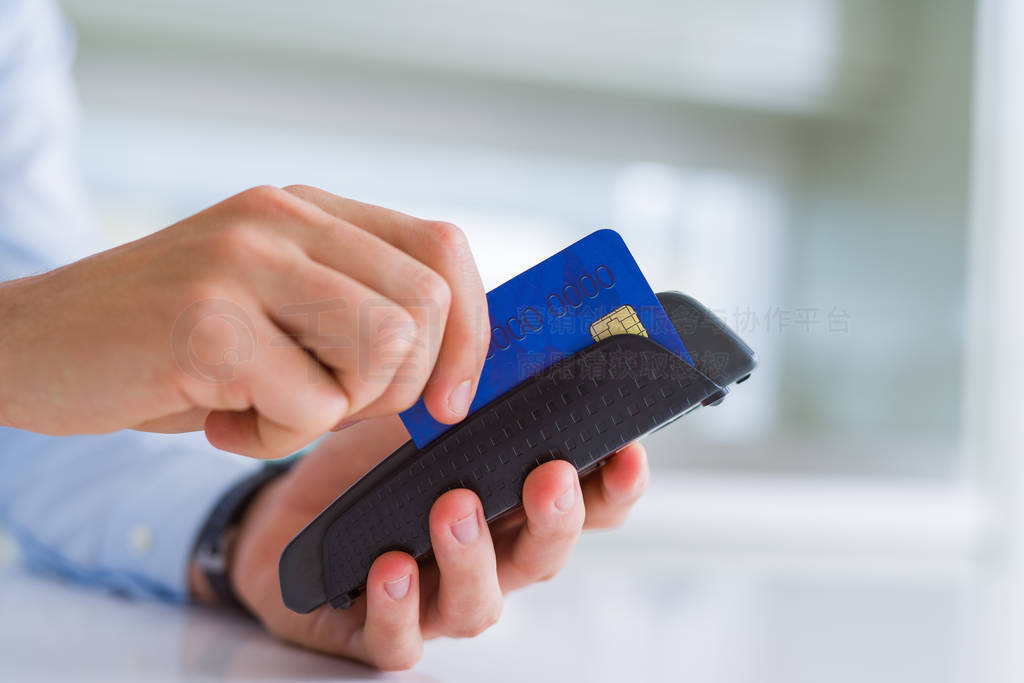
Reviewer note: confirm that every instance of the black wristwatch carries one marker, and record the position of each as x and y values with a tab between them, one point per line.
211	547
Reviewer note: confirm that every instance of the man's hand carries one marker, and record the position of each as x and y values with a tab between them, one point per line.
268	318
459	592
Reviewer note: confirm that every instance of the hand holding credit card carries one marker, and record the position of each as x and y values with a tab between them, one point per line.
589	291
584	359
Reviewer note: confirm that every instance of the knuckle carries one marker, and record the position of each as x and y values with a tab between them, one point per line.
210	388
408	392
398	659
209	317
260	196
379	373
544	577
449	239
319	286
429	285
234	243
403	393
267	199
399	319
448	234
300	190
476	621
393	332
359	394
386	632
466	630
212	339
563	531
540	572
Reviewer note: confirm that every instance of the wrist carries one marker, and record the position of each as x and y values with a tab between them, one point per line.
213	559
239	562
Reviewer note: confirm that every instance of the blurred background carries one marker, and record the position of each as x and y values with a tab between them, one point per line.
801	166
824	174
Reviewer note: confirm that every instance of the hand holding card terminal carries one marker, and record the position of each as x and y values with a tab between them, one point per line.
580	409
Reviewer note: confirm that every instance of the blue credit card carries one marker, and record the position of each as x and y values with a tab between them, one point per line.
586	292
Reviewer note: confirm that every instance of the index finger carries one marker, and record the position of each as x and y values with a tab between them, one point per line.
444	249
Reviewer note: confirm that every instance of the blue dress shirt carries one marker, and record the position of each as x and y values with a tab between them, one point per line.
119	510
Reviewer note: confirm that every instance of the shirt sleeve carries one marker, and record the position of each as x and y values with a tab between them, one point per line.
120	511
45	220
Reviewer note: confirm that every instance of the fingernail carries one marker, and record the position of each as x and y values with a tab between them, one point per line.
458	400
564	502
398	588
466	529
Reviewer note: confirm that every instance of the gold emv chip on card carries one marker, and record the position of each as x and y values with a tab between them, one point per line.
623	320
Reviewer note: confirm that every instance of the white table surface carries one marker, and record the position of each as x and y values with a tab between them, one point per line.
593	623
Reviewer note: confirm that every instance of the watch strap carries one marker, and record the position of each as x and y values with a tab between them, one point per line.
211	546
